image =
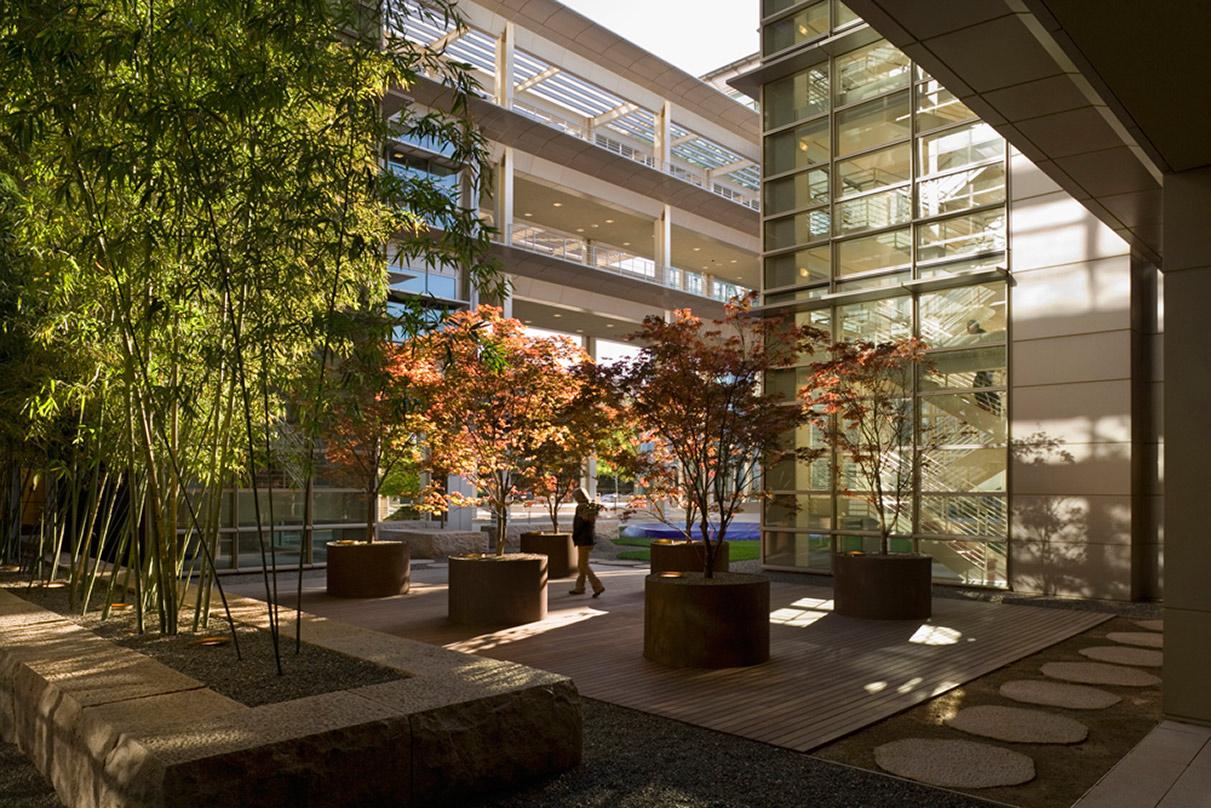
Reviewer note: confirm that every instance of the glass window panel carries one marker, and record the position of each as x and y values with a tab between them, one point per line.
968	562
802	26
951	193
874	170
966	316
801	228
797	148
802	511
959	515
964	419
769	7
792	475
962	235
854	512
806	550
875	211
881	121
937	106
937	270
800	267
875	69
957	148
862	544
798	191
795	97
842	15
874	282
818	318
798	294
968	471
876	320
963	369
870	253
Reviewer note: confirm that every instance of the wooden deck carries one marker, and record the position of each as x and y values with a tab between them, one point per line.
827	676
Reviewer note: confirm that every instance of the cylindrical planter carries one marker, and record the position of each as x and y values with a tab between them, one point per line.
685	556
368	569
490	590
557	547
882	587
690	621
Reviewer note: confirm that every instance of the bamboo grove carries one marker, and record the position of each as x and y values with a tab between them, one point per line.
194	224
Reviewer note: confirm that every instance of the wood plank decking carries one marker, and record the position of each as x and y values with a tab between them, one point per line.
827	675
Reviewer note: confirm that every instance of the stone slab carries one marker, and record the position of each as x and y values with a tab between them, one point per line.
167	741
1058	694
1141	639
1099	673
1151	625
1120	655
1018	725
955	764
437	544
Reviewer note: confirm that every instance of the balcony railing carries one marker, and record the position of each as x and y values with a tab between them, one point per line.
558	244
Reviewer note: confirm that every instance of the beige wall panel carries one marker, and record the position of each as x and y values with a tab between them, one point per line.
1088	412
1081	519
1072	569
1028	179
1095	468
1081	358
1079	298
1054	229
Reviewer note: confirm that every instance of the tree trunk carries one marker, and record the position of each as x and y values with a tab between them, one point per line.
502	528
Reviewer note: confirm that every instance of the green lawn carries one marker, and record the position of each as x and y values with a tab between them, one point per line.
738	551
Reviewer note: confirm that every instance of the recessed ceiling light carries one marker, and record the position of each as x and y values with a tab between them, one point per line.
527	213
557	204
733	260
739	277
580	331
609	221
697	249
556	315
580	230
609	325
626	244
592	225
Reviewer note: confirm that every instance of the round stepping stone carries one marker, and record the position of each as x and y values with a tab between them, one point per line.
954	764
1151	625
1144	639
1018	725
1099	673
1058	694
1144	657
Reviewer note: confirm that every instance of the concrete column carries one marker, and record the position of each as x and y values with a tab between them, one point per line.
1187	419
662	147
663	242
502	199
468	194
459	518
504	67
590	465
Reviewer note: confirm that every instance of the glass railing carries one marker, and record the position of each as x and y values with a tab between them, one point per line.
550	242
623	261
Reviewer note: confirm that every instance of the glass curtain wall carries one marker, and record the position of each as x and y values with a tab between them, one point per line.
876	176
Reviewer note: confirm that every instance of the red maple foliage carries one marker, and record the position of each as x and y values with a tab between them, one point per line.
696	388
494	398
861	401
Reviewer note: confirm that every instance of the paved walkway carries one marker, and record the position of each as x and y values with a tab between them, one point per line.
828	675
1170	768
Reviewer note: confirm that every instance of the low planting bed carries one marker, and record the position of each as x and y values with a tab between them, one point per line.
109	725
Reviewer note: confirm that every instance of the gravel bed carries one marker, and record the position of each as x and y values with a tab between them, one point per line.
634	759
252	680
21	785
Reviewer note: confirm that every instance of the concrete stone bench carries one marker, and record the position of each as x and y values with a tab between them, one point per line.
437	543
110	726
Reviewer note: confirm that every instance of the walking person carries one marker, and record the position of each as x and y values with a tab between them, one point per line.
584	529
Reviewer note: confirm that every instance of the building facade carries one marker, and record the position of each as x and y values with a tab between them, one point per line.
890	209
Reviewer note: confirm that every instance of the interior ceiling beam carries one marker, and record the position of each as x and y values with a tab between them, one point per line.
615	113
681	141
448	39
536	79
730	167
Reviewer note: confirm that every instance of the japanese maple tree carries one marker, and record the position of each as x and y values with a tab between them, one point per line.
372	429
493	396
585	426
861	401
697	388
